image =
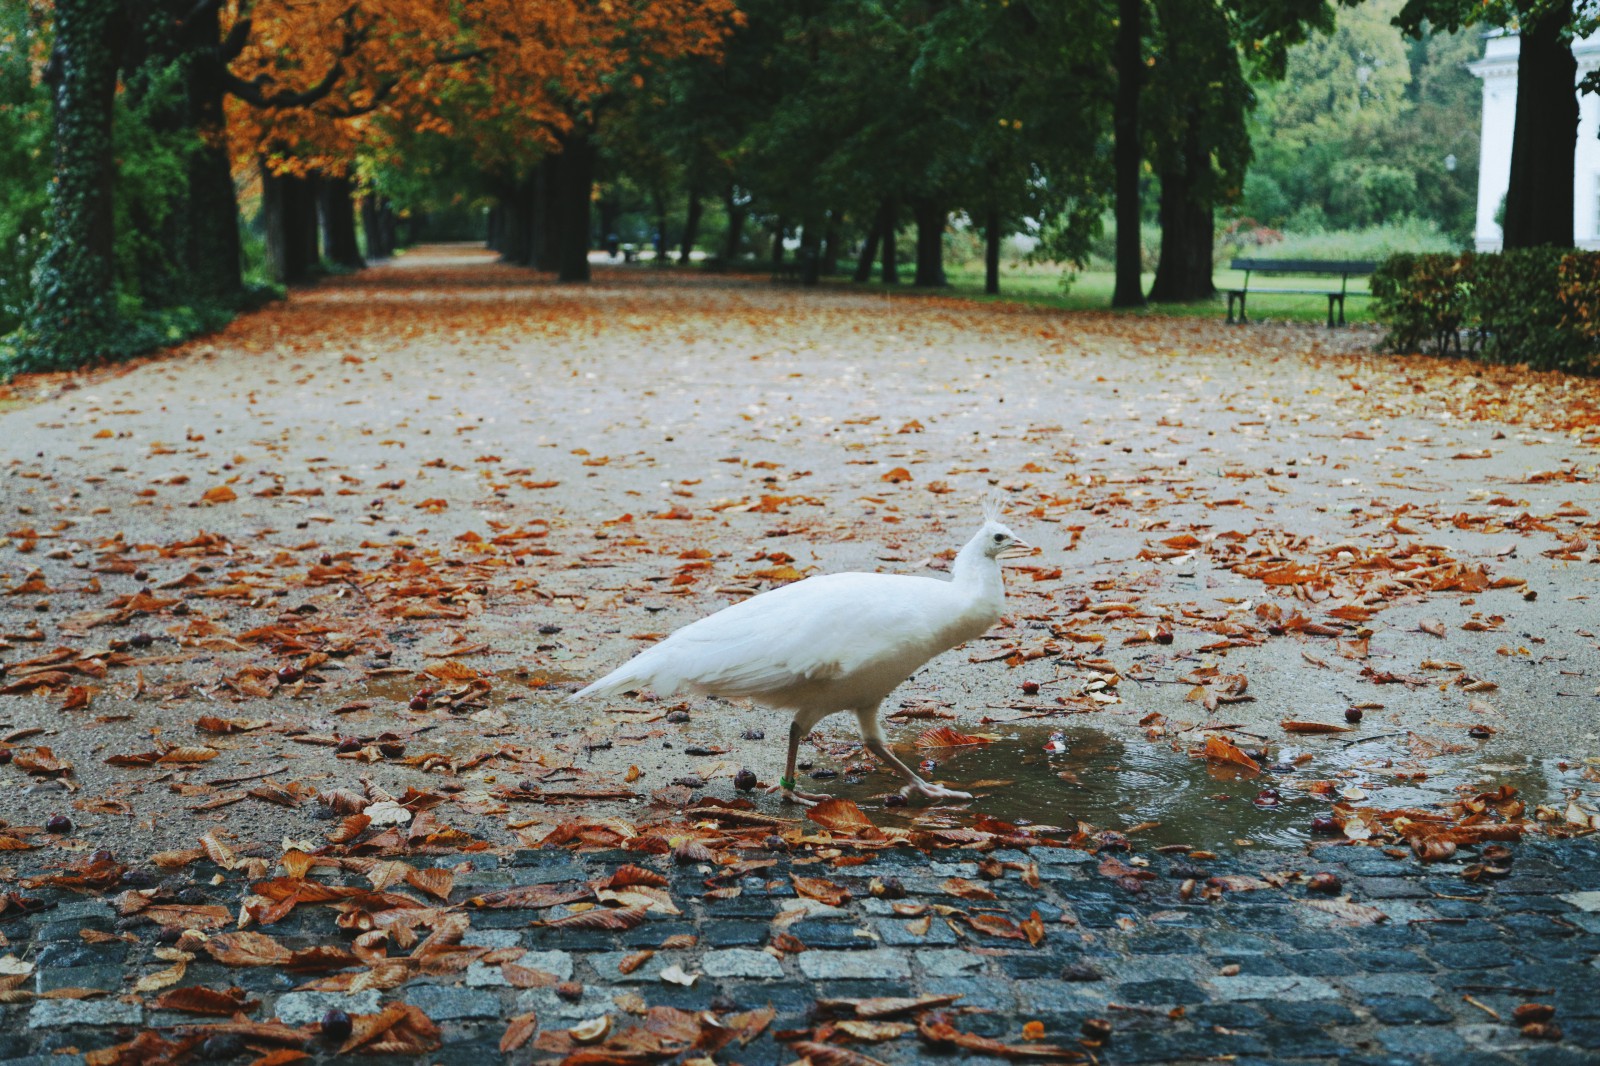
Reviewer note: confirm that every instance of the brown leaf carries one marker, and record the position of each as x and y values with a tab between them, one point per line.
936	1029
400	1029
245	948
434	881
946	737
821	890
970	890
198	999
1221	749
1289	725
819	1054
996	925
840	815
192	754
518	1031
1349	913
606	918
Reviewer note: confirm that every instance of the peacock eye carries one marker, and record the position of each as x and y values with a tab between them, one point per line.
998	537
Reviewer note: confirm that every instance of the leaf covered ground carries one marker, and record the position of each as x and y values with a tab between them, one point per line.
309	593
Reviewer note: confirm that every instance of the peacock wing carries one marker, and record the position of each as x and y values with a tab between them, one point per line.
824	628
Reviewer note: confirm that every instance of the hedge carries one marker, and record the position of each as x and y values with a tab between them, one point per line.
1538	306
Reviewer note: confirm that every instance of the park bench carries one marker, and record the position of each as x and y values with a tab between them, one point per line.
1344	269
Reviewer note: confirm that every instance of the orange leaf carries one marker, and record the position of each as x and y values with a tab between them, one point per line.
518	1031
1221	749
818	889
840	815
1291	726
946	737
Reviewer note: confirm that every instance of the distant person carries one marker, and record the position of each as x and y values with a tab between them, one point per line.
613	245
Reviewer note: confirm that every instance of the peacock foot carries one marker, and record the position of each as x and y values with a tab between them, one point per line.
934	792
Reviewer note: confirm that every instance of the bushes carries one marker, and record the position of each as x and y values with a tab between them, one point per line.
1539	306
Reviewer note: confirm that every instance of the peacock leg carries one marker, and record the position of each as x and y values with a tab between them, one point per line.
872	734
797	733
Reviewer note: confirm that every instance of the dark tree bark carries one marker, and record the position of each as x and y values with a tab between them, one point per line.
576	182
73	319
215	258
931	221
778	227
289	215
517	204
491	240
338	210
1544	140
380	237
691	224
828	258
547	207
1188	225
810	251
991	252
659	243
1128	56
736	217
869	247
609	209
891	266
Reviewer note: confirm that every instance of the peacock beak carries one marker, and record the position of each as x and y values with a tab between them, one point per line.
1017	549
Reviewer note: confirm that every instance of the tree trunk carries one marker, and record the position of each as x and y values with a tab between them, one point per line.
544	234
1188	223
828	258
1543	142
891	218
991	252
658	243
869	247
736	216
338	209
810	251
289	215
691	224
73	319
379	245
150	52
576	184
1128	57
778	226
931	220
215	258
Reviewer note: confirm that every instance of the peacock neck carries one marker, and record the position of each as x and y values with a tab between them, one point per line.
978	570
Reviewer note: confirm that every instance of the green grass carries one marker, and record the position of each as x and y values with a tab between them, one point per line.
1091	291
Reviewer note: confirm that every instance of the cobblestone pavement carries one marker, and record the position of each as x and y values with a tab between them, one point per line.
1269	974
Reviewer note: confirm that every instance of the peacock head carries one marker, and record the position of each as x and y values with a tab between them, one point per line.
998	542
995	538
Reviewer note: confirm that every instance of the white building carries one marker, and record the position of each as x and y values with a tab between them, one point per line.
1498	71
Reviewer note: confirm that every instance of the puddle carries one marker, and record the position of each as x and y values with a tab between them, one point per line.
1119	784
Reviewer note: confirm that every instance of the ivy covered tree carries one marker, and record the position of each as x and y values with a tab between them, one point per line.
73	318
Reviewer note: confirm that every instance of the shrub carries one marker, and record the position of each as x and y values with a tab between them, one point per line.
1539	306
